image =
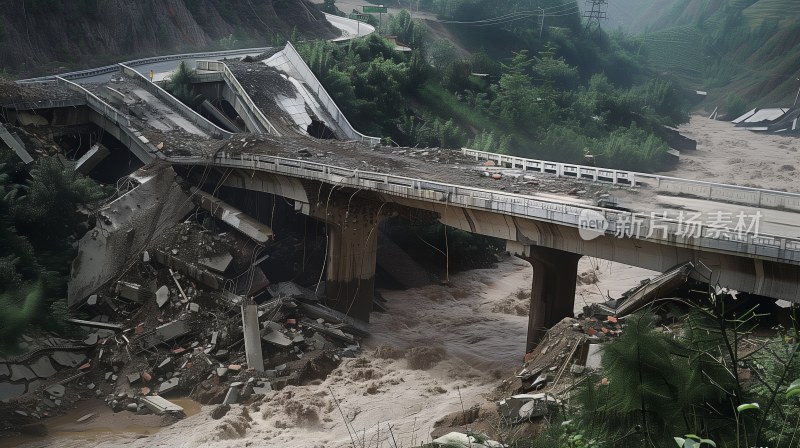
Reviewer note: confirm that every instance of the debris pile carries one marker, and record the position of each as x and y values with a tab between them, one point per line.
193	315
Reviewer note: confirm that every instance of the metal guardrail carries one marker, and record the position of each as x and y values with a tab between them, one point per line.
296	62
772	247
143	61
673	185
155	90
138	141
227	75
97	104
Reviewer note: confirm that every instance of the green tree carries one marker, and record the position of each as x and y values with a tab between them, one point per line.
180	86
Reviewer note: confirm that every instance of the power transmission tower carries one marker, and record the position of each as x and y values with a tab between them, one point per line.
595	11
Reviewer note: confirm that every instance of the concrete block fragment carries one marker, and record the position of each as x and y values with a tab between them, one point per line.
252	341
162	296
93	156
56	390
10	390
68	359
43	368
20	372
130	291
168	332
169	385
276	338
217	263
160	405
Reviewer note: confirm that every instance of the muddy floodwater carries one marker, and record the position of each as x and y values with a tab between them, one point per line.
65	431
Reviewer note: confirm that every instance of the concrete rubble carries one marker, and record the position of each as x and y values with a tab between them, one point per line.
161	329
461	440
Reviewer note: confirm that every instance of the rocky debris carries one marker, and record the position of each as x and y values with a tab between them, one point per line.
525	407
43	368
157	330
220	411
461	440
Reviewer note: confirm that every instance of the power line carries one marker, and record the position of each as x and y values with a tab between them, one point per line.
596	10
553	11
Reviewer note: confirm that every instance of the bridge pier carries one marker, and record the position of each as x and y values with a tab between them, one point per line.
350	268
352	230
553	289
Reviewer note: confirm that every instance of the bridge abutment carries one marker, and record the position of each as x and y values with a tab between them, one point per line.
553	288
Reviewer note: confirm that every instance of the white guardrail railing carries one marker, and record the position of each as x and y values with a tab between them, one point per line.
139	143
143	61
155	90
672	185
299	66
227	75
772	247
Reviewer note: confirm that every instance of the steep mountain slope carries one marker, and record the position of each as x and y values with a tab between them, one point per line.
38	36
743	52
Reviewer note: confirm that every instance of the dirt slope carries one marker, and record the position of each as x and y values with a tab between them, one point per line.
41	36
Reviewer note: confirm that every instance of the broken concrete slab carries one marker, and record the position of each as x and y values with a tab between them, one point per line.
252	341
158	199
20	372
4	372
93	156
168	332
133	377
162	296
91	339
160	405
11	390
330	315
332	332
262	390
218	263
234	217
189	269
524	407
68	359
42	367
131	291
276	338
459	440
15	144
165	365
92	300
169	385
232	396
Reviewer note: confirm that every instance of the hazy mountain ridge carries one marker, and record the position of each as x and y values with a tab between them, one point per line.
743	52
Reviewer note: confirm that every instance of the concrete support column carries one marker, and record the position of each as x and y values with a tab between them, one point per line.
350	268
553	289
352	225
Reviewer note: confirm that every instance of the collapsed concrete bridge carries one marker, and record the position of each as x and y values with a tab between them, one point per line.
352	187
